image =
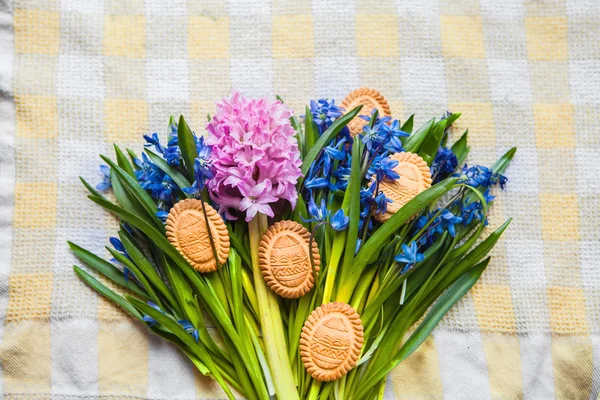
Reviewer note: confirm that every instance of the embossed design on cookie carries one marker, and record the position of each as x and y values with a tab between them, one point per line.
285	261
188	233
331	341
415	177
370	99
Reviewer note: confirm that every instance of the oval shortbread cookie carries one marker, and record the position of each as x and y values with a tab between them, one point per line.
188	233
285	261
370	99
331	341
415	177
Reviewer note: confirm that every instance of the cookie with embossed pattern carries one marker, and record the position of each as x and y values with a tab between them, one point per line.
415	177
331	341
187	231
370	99
285	260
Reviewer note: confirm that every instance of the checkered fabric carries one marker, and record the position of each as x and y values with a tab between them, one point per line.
85	74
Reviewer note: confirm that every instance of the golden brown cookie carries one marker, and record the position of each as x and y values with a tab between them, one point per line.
370	99
285	261
331	341
415	177
187	231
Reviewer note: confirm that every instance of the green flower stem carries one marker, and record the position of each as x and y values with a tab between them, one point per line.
359	296
315	388
339	243
249	289
270	318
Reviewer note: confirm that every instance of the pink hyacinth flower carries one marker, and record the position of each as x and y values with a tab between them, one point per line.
255	156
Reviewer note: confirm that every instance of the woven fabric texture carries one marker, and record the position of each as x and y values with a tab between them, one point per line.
86	74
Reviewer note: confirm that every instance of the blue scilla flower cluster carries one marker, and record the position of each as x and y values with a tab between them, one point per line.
156	182
324	113
479	176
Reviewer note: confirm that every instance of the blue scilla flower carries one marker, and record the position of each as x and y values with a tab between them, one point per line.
106	183
372	136
189	328
432	230
148	319
444	164
499	179
475	176
383	167
148	172
382	201
317	214
164	189
202	171
448	220
117	244
409	256
172	154
331	153
472	211
154	141
393	143
162	215
342	175
324	113
339	221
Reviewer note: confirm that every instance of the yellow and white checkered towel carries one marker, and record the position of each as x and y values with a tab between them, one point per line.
88	73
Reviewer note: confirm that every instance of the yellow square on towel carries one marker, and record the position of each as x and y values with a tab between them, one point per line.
547	38
36	31
125	36
462	37
208	37
293	36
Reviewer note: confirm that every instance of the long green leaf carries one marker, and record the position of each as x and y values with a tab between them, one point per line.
148	270
124	198
106	292
311	132
170	170
460	148
408	124
90	188
187	145
439	309
353	191
133	187
197	347
325	138
369	251
238	244
500	165
123	161
431	145
415	141
105	268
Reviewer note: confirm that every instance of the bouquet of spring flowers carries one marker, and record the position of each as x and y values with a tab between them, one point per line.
291	256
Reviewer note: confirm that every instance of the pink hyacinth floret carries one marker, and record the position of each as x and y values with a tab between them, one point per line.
255	156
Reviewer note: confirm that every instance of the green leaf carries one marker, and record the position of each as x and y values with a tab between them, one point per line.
133	187
106	292
325	138
408	124
170	170
500	165
137	273
460	148
187	145
123	197
414	142
432	144
105	268
437	312
124	162
148	270
353	192
311	131
90	188
133	157
238	244
451	119
197	347
370	249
